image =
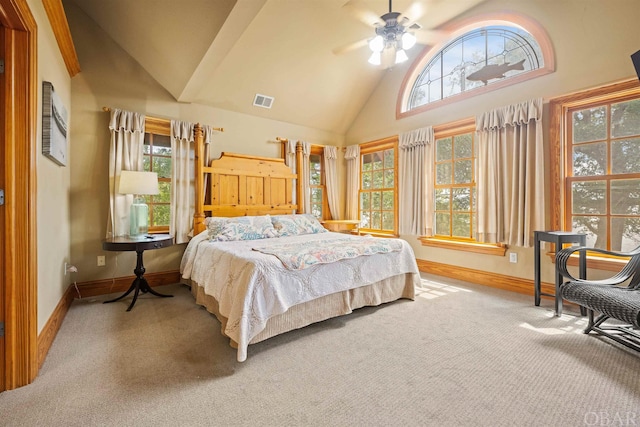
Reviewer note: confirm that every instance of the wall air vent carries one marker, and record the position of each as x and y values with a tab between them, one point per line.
263	101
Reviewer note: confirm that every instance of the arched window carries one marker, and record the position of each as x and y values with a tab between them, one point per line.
480	57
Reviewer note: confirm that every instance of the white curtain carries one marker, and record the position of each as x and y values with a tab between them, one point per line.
331	180
182	180
290	160
207	136
305	198
510	179
183	177
416	182
125	153
352	156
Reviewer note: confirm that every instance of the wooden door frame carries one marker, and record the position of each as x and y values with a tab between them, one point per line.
2	145
19	255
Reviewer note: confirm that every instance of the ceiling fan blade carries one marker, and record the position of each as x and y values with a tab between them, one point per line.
350	47
358	10
430	37
412	14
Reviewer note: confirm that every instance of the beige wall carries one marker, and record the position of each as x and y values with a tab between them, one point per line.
592	40
52	180
111	78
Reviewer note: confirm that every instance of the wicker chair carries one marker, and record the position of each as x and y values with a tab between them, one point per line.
617	297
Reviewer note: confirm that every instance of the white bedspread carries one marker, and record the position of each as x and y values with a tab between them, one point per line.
251	286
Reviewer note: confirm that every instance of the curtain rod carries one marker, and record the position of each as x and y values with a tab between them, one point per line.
282	140
108	110
285	140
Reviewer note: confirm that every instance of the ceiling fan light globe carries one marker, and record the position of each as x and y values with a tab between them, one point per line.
401	56
376	44
408	40
375	58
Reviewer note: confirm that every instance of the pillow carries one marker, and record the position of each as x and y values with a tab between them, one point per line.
243	228
285	225
214	225
309	224
293	225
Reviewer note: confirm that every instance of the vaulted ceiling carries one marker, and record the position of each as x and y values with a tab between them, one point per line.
223	52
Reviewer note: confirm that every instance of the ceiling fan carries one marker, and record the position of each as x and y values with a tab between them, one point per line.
395	32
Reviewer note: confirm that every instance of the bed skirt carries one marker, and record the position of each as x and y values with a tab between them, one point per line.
323	308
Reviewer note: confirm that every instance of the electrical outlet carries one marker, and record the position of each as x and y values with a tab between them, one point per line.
65	268
513	257
101	261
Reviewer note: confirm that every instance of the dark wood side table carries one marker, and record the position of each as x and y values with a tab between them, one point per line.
558	238
120	244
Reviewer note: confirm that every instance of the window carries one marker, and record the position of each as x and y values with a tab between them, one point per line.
481	57
378	178
600	180
478	58
455	169
319	204
603	179
157	158
455	188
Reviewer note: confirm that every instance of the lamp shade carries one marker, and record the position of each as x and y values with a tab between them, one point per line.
375	58
135	182
408	40
376	44
401	56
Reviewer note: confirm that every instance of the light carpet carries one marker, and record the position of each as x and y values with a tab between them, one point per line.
459	355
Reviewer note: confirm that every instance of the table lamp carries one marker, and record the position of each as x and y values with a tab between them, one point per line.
138	184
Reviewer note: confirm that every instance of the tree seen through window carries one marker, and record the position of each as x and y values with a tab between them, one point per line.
603	187
377	191
316	184
455	190
157	158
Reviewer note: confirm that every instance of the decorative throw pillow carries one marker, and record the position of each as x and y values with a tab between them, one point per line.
285	225
214	226
309	224
246	228
293	225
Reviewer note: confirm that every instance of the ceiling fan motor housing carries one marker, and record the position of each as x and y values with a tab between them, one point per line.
392	30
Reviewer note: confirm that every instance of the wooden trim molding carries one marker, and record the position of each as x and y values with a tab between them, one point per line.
456	127
18	119
494	280
379	144
594	262
50	330
60	26
157	126
94	288
479	248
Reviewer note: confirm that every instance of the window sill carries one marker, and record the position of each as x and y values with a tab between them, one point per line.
362	232
159	230
595	262
479	248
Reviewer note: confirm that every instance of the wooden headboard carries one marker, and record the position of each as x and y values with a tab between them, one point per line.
239	185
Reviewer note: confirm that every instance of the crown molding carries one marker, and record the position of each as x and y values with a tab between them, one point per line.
60	26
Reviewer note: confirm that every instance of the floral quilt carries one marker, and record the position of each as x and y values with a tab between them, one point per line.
301	255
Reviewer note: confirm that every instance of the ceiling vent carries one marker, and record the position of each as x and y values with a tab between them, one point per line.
263	101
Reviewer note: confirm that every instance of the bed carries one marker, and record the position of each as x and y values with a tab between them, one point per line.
262	269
